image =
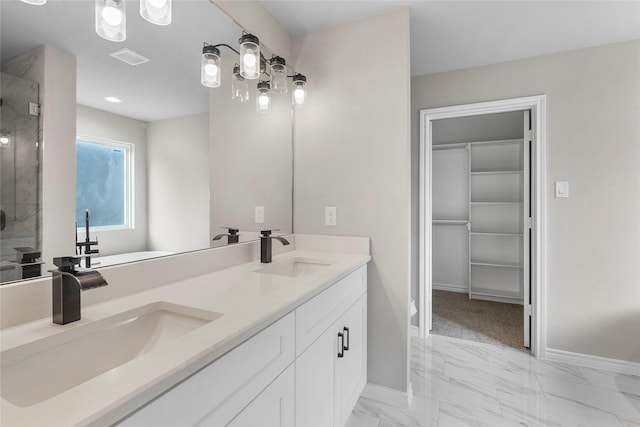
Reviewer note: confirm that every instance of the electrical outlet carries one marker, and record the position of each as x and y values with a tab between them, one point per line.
259	215
330	216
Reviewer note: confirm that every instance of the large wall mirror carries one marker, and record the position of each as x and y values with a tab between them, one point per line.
163	170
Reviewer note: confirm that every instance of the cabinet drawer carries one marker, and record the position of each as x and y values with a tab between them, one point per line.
228	384
316	315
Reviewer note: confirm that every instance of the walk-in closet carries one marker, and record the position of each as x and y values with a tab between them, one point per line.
480	227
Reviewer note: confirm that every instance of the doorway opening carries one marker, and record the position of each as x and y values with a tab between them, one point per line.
482	222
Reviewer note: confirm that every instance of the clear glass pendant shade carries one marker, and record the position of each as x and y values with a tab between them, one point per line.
156	11
5	138
210	67
111	20
279	81
249	57
239	86
263	100
299	93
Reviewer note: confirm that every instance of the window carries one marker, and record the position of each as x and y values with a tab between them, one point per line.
104	183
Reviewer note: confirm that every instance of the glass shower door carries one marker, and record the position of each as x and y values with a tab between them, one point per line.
20	198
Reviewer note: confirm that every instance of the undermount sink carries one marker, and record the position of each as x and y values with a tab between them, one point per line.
295	267
42	369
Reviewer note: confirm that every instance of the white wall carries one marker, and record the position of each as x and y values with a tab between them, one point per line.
593	106
178	183
351	151
55	70
101	124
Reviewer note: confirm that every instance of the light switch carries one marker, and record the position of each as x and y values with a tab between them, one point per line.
259	215
562	189
330	216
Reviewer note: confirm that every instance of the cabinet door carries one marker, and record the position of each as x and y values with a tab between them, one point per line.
315	382
351	370
274	407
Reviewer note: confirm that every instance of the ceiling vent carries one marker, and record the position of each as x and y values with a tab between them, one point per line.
129	57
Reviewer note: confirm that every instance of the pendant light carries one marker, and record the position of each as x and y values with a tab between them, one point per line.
5	138
210	66
156	11
249	57
34	2
263	100
252	65
239	86
111	20
278	75
299	89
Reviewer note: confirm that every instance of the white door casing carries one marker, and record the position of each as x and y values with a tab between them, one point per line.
537	106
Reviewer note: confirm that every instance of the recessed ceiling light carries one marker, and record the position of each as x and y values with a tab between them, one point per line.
112	99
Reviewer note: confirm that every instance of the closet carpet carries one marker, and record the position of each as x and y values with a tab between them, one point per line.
455	315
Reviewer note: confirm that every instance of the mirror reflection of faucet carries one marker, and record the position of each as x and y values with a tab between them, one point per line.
266	245
28	259
87	242
27	264
232	235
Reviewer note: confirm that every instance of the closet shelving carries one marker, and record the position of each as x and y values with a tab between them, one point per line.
490	224
450	211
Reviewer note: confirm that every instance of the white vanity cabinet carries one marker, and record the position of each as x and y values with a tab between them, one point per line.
306	369
331	371
274	406
222	390
351	369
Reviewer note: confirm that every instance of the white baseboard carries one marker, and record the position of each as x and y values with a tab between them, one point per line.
449	288
414	331
596	362
388	395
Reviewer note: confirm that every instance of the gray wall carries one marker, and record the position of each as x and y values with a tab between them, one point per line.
101	124
251	155
593	134
351	147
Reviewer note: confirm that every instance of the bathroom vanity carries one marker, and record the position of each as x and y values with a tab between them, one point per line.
270	344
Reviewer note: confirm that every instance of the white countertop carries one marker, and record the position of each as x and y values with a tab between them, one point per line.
249	302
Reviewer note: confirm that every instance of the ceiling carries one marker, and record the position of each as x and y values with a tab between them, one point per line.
450	35
445	35
167	86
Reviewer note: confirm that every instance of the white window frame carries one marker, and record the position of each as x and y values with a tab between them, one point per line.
129	211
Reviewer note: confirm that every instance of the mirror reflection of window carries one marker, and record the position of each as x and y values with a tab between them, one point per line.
103	183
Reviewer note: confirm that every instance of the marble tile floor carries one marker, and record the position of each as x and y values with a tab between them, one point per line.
466	383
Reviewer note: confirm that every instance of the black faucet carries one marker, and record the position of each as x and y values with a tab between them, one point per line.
28	259
67	284
87	242
266	245
232	236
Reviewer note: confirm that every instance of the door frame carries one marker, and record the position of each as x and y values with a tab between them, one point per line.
537	105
